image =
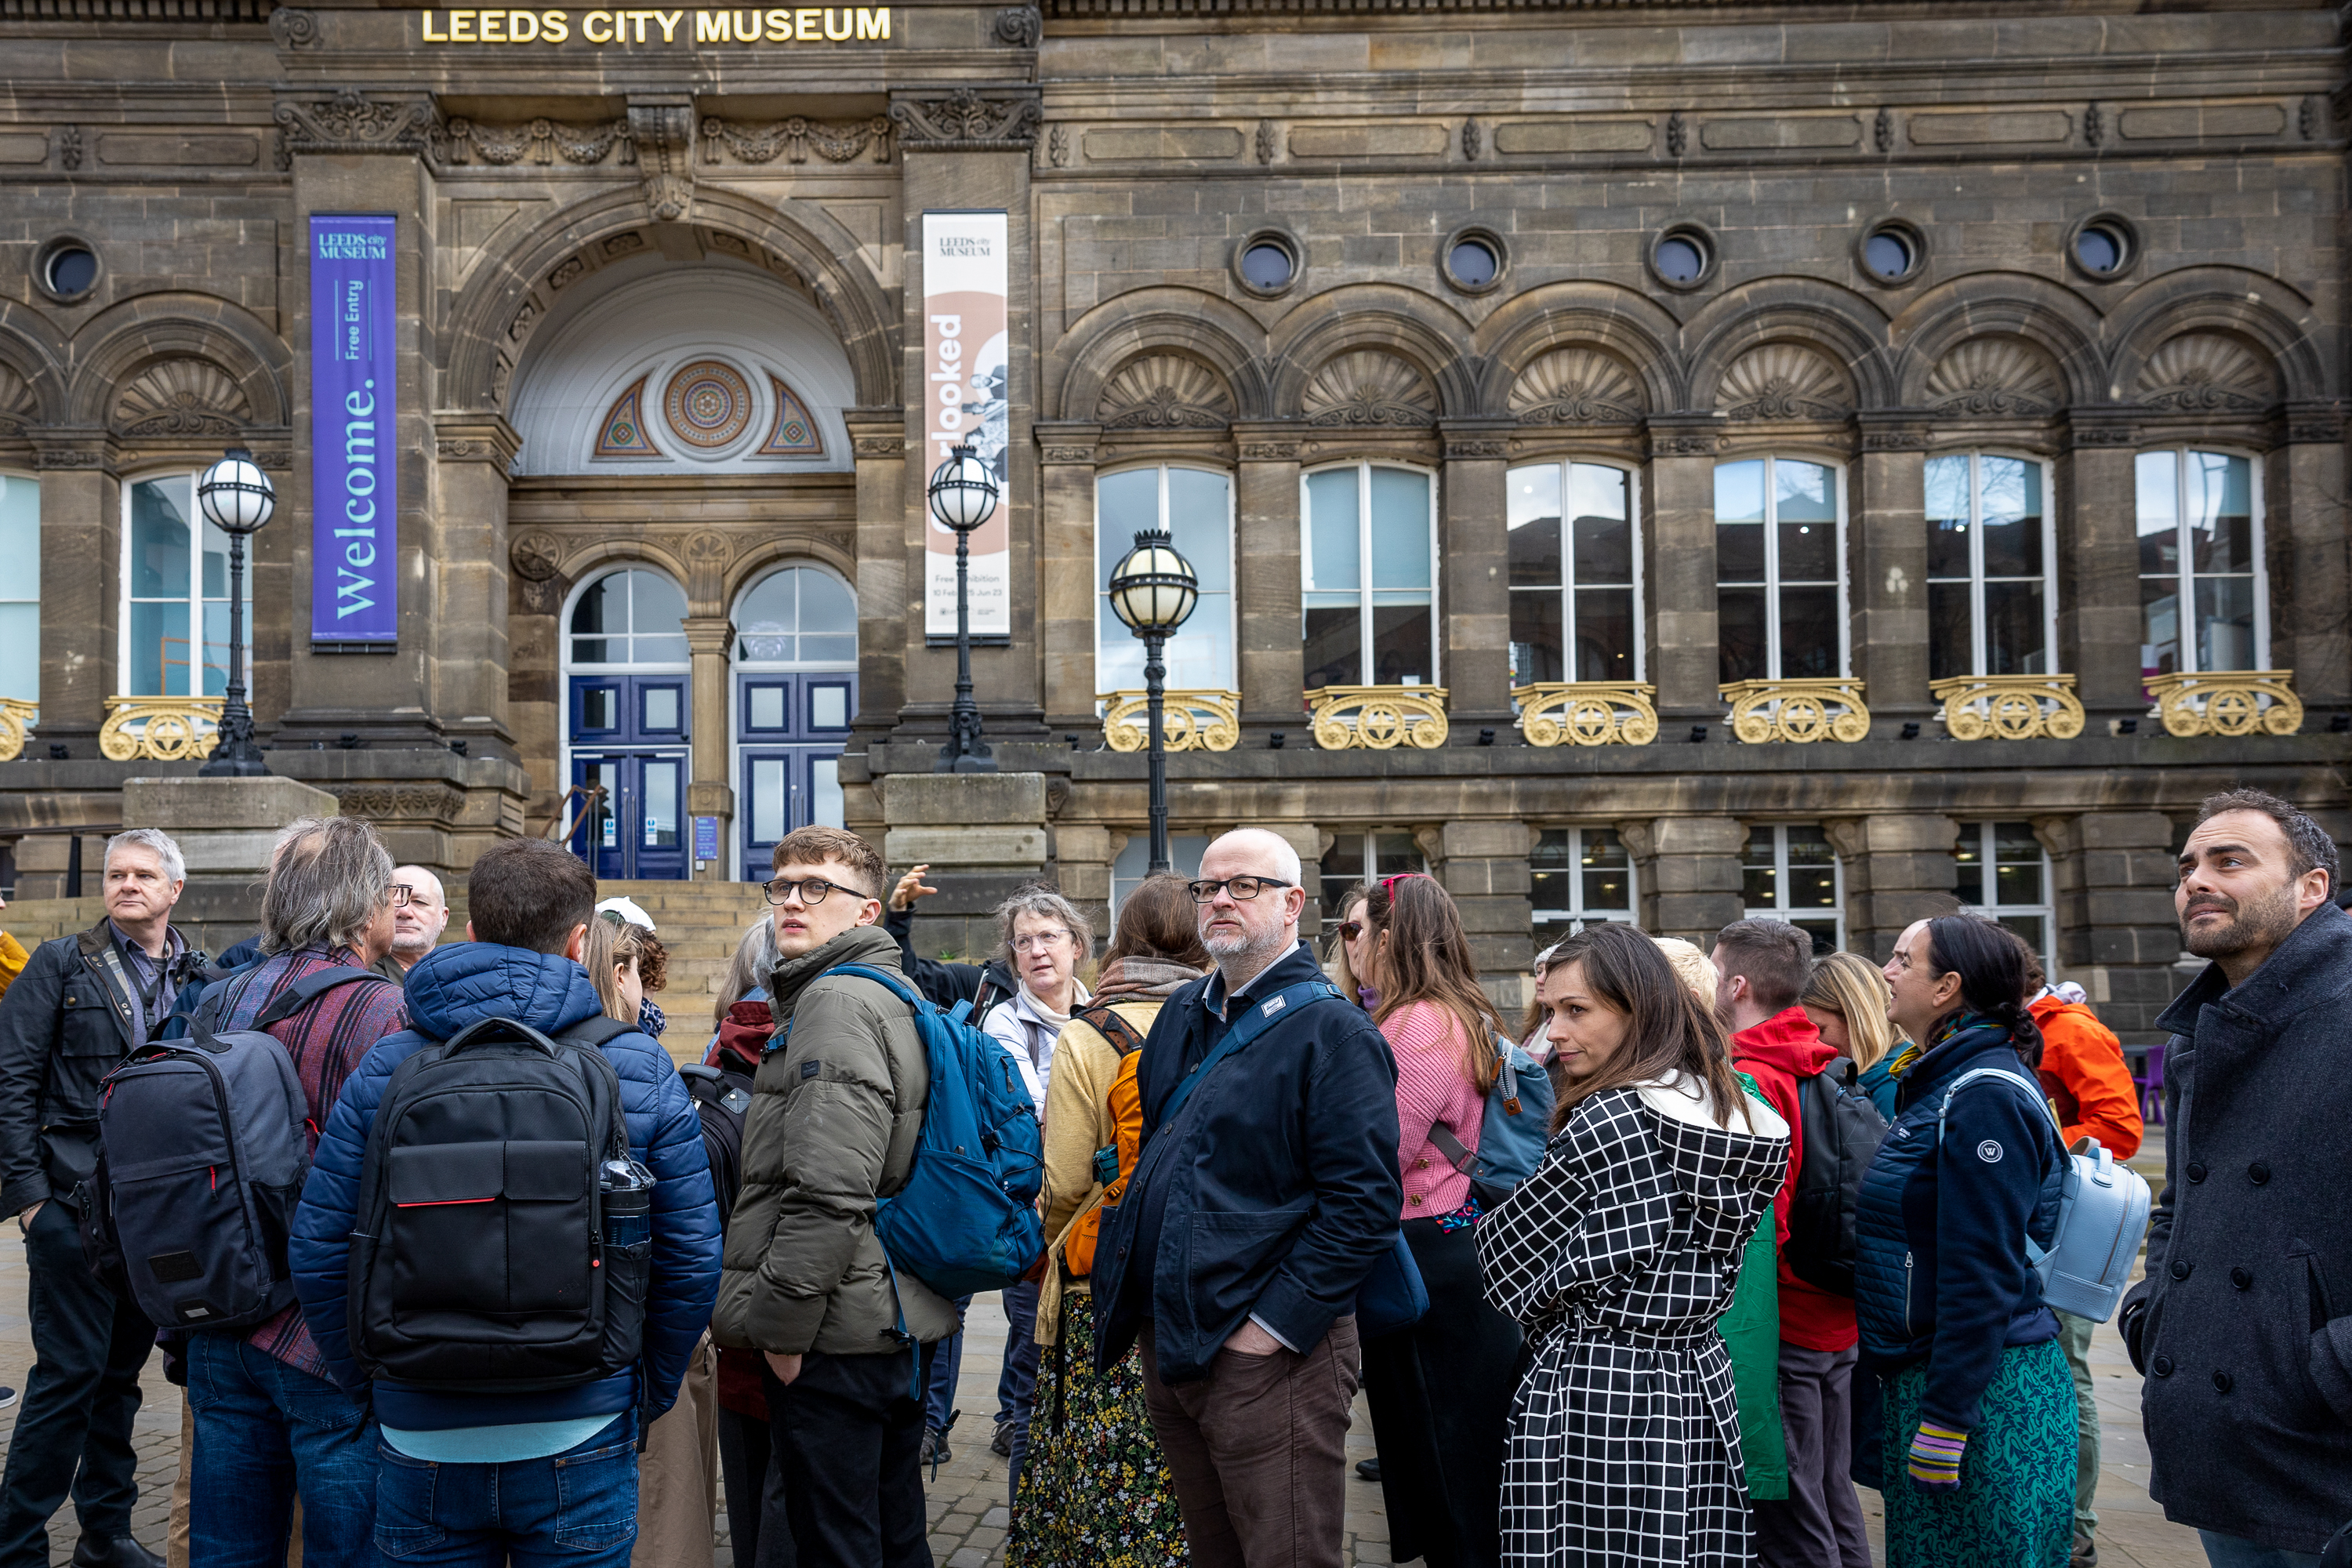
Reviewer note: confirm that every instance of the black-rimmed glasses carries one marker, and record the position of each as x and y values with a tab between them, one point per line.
812	889
1242	888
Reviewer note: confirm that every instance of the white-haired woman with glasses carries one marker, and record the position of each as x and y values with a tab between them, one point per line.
1043	939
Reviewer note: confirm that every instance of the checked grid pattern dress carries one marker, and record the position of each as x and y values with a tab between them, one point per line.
1617	1254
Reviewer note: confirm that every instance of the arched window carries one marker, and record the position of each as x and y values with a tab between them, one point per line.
2204	600
1369	567
798	615
20	587
174	638
1196	507
632	616
1779	553
1575	574
1993	593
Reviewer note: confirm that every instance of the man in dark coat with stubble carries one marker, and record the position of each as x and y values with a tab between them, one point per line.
2243	1325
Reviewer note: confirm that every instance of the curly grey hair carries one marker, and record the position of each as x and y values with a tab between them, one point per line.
1043	899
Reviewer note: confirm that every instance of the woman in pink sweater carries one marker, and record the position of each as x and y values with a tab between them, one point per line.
1440	1391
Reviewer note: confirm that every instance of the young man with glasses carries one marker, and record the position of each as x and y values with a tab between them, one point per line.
1266	1189
836	1109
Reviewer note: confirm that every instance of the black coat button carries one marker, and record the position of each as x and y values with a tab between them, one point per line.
2180	1270
2196	1172
2241	1279
2258	1173
2161	1366
2221	1382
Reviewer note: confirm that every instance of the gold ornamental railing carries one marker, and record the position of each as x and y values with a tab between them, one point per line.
1377	718
1201	721
2009	707
2226	702
159	729
17	721
1587	712
1798	712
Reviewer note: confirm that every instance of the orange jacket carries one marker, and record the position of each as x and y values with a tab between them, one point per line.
2083	1073
12	959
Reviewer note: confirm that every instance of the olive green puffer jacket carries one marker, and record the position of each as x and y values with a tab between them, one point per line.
835	1113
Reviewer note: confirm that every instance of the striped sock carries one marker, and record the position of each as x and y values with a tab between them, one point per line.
1936	1457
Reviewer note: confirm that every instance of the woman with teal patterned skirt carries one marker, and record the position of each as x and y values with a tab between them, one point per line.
1977	1434
1095	1491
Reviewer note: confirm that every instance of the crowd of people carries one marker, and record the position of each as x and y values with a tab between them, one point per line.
1779	1232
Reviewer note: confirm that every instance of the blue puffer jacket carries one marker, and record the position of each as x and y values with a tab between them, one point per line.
1943	1273
450	988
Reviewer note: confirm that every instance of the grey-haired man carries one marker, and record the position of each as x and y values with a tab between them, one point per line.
83	1004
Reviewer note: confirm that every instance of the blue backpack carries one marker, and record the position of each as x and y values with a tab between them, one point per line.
966	1220
1512	1134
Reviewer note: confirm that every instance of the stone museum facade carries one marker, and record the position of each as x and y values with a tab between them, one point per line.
1646	460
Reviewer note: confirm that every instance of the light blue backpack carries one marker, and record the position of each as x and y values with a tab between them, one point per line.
1511	1134
2102	1220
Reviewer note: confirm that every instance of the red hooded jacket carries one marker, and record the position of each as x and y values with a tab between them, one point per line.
1777	1053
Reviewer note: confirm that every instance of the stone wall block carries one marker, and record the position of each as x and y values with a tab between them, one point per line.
1501	841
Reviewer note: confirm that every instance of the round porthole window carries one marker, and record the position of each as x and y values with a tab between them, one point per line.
1683	255
1266	262
66	268
2104	246
1472	259
1890	251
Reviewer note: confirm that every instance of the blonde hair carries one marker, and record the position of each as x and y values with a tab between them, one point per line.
1855	989
1691	967
606	947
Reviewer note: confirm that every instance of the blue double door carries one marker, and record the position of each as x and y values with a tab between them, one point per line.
629	741
790	730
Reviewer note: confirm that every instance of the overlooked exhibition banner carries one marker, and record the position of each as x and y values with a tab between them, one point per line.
354	462
965	282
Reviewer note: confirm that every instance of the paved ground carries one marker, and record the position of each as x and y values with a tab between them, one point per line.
967	1503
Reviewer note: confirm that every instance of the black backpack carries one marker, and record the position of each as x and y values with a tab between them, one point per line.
722	1099
202	1156
1843	1130
482	1262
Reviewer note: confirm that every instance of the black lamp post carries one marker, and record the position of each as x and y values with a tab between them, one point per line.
237	498
1153	589
962	494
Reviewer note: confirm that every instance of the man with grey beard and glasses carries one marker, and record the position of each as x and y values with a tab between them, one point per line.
1266	1189
2243	1324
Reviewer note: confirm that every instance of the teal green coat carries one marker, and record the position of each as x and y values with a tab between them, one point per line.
1751	1332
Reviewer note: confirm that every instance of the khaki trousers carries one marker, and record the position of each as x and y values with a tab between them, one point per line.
677	1475
1258	1452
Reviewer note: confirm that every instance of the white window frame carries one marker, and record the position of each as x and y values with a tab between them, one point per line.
196	601
735	741
1772	584
2185	581
1977	626
1567	589
26	687
1110	630
1780	908
1575	917
1373	871
1363	468
569	666
1995	910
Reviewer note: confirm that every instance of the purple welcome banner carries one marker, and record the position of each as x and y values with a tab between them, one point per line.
354	510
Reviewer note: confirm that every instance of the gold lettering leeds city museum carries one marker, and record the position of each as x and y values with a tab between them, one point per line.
800	24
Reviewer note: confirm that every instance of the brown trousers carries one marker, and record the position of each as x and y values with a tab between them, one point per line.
1258	1452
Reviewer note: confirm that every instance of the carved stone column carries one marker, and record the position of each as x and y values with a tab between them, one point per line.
1273	660
2303	505
1898	868
1474	581
1066	586
711	791
2098	568
1679	570
473	455
878	437
1886	561
1686	869
81	582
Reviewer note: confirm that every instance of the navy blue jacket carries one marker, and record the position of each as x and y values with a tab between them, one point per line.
1943	1274
450	988
1274	1191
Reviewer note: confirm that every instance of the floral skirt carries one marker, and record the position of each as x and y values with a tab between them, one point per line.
1095	1488
2015	1505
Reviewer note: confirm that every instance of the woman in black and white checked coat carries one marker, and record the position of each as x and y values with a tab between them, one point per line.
1617	1254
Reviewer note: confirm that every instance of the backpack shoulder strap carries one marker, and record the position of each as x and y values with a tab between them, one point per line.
1248	1027
1121	1034
593	1031
897	988
301	992
1975	1073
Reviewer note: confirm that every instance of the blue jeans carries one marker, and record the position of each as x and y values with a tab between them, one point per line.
265	1434
577	1508
942	1365
1016	1384
2235	1551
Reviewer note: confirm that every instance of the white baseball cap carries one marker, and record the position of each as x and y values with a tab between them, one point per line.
627	910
